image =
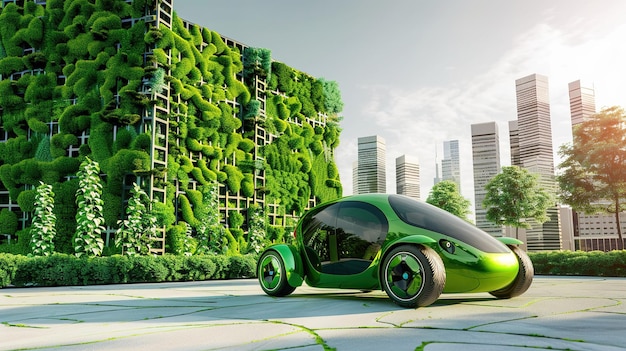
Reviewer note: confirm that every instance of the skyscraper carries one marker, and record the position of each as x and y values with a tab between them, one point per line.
591	231
514	143
451	163
408	176
535	152
486	165
371	172
582	102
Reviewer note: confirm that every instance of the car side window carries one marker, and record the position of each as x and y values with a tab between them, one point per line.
317	229
344	238
361	230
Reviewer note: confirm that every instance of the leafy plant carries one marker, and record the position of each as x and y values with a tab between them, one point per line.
134	233
211	234
188	244
256	228
89	219
8	222
43	228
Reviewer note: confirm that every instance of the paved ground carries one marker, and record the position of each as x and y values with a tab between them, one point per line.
557	313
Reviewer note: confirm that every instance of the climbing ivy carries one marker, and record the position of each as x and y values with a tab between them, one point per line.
135	232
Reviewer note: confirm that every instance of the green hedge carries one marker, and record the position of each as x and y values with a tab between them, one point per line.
580	263
64	270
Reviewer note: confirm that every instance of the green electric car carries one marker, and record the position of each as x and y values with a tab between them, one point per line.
410	249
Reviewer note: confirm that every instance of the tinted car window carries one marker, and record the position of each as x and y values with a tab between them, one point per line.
343	238
429	217
316	228
361	229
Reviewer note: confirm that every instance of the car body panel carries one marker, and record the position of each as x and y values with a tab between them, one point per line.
293	263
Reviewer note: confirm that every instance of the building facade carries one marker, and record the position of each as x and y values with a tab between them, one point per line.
162	102
534	136
408	176
371	165
451	162
486	165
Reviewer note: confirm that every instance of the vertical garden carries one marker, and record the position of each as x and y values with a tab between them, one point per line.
238	144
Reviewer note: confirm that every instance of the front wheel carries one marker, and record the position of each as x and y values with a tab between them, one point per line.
413	276
523	279
272	275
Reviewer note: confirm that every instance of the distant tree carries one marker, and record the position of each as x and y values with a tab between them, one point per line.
593	177
514	196
446	196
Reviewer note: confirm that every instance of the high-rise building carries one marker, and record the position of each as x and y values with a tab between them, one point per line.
514	143
408	176
451	162
536	154
371	171
582	101
355	177
486	165
591	231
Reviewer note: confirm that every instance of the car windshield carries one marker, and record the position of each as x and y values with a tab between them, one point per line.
423	215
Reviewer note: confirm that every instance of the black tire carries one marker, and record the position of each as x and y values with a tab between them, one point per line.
413	276
272	275
523	279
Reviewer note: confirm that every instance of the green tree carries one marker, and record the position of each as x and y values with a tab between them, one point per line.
514	196
134	233
446	196
592	175
43	228
89	220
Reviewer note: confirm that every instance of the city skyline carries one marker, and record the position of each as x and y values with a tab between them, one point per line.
457	66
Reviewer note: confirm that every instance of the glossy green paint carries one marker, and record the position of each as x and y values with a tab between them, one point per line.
293	263
509	241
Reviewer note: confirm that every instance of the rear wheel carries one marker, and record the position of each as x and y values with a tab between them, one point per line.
523	279
272	275
413	276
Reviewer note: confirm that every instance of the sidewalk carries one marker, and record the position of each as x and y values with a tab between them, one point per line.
557	313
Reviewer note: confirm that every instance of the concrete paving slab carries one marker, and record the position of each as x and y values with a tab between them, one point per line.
557	313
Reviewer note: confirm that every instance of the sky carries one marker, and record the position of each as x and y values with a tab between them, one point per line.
418	73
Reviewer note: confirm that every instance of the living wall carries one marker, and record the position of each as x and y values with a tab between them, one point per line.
77	80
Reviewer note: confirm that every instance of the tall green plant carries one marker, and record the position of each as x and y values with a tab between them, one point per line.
43	228
256	228
188	241
89	220
134	233
211	234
